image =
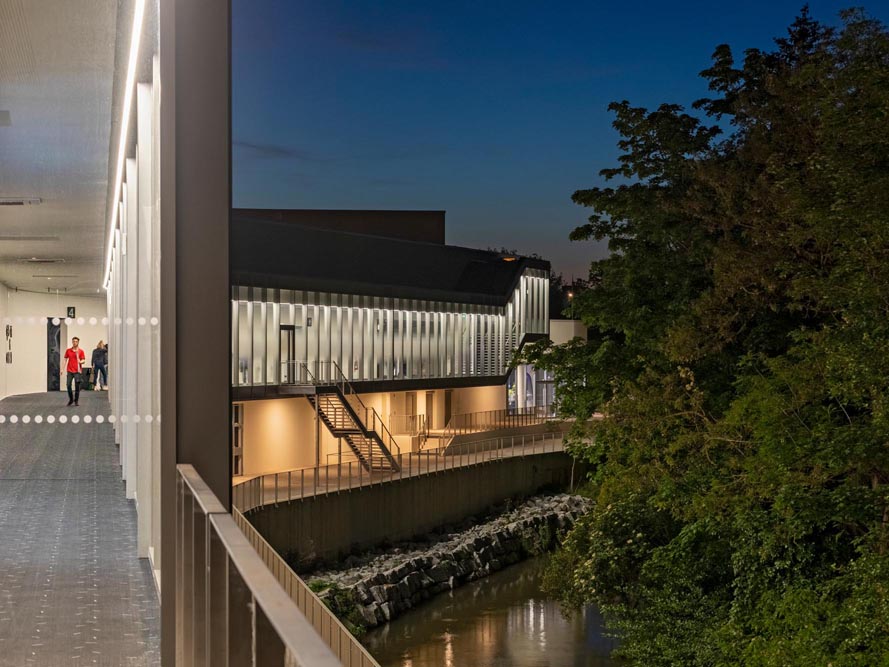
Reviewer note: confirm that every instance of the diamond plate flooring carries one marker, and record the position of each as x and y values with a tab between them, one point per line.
72	591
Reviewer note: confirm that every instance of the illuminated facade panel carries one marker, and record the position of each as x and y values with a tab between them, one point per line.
277	332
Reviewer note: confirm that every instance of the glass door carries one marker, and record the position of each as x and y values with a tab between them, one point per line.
287	353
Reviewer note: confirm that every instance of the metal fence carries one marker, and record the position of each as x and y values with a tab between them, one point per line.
299	483
407	424
491	420
230	609
343	644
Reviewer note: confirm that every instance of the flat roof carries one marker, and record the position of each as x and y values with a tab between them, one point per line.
285	254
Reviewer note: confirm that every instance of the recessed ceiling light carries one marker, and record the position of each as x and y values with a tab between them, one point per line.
42	260
43	275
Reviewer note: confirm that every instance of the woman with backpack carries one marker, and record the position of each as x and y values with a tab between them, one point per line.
100	366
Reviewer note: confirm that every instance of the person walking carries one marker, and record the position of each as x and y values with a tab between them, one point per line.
100	366
74	366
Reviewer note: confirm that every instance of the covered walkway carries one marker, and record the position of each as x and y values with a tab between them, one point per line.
72	590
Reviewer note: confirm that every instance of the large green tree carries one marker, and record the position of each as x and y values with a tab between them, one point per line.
740	357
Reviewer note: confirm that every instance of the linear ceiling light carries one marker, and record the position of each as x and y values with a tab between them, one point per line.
20	201
135	40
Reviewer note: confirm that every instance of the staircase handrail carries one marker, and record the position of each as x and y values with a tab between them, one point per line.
370	413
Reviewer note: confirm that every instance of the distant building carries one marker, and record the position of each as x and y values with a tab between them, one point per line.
385	329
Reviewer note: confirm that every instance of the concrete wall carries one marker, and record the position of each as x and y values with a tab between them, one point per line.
479	399
562	331
332	525
27	373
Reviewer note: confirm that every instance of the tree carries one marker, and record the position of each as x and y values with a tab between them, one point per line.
740	354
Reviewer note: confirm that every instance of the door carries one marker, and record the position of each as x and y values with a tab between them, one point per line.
449	394
430	409
287	353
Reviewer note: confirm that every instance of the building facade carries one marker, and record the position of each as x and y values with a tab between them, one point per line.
418	330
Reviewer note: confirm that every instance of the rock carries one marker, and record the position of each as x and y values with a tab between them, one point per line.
369	615
379	594
385	583
442	572
413	581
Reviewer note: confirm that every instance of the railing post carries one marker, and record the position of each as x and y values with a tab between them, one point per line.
289	485
302	483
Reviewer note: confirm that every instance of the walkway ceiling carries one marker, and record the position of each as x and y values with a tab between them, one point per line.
57	72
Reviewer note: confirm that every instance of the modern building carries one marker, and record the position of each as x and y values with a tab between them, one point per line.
243	341
418	330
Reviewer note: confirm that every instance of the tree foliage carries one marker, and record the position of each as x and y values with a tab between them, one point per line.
740	355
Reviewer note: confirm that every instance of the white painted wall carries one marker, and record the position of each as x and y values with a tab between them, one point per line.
478	399
279	434
27	312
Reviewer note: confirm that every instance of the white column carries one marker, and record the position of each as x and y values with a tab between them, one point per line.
131	245
154	549
143	327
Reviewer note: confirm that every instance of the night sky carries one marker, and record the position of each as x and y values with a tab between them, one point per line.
492	111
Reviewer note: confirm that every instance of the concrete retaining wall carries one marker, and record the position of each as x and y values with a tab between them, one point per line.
333	525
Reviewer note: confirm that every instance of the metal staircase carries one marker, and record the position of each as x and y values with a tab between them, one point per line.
345	416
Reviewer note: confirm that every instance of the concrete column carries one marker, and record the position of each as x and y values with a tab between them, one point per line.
195	185
520	386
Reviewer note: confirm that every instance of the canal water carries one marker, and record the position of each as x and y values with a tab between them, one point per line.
504	620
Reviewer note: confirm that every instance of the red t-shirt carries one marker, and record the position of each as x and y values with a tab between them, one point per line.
73	357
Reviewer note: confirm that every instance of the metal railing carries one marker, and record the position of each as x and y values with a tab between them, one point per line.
342	642
230	609
329	374
298	483
492	420
412	425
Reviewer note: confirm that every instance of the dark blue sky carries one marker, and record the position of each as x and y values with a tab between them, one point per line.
493	111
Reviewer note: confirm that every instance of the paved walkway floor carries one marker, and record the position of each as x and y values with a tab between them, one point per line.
72	591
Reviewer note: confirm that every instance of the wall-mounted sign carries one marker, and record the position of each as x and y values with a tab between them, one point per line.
71	311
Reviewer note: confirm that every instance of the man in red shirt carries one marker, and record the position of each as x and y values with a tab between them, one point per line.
74	357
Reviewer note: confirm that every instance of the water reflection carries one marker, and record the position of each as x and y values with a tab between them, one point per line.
502	621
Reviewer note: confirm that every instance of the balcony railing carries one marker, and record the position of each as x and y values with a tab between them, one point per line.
343	644
413	425
230	609
299	483
493	420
